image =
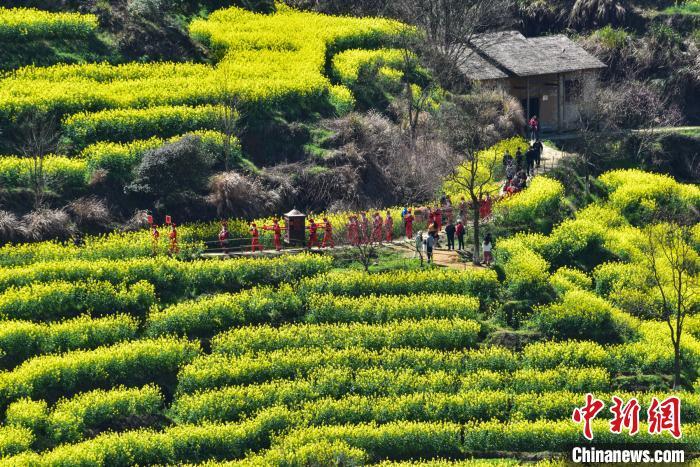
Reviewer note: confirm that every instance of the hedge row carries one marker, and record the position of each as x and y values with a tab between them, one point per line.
57	300
173	279
14	440
174	446
62	175
211	314
71	420
20	340
215	371
482	284
132	364
541	200
443	334
235	402
329	308
27	24
124	125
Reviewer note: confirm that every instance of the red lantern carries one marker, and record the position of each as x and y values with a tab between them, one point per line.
168	220
150	219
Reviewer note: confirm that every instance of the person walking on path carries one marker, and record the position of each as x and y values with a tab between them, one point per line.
519	160
450	230
419	245
534	125
389	227
408	223
486	246
173	248
507	159
255	238
438	218
327	234
377	229
463	208
353	231
313	234
530	156
223	237
460	231
276	233
538	152
429	245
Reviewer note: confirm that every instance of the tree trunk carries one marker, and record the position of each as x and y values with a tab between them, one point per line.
475	223
677	366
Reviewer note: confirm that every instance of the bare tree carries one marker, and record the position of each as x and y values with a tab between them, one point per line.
449	26
229	116
37	137
619	109
674	269
472	123
364	252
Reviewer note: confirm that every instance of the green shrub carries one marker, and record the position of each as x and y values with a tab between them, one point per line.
482	283
549	355
443	334
29	414
13	440
54	301
71	419
329	308
132	364
583	315
566	279
174	446
210	315
216	371
526	277
20	340
536	208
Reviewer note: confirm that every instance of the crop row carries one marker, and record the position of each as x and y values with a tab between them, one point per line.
62	175
562	385
444	334
542	197
171	278
211	314
72	420
135	363
346	65
57	300
268	61
479	283
173	446
646	356
26	24
20	340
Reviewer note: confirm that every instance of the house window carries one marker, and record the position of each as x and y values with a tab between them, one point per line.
573	90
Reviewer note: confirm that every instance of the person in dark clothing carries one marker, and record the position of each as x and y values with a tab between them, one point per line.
507	159
538	152
519	160
530	160
460	231
450	232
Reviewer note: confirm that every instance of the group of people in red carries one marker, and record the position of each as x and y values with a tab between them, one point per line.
360	231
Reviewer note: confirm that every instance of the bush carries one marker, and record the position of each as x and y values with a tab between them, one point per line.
19	25
20	340
584	316
566	279
174	175
217	371
328	308
210	315
71	420
14	440
132	363
62	175
176	445
443	334
54	301
536	208
526	277
482	283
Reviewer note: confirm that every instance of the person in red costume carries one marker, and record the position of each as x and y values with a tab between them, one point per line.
223	236
409	224
327	234
438	218
155	237
377	228
255	238
388	227
173	248
313	234
276	233
353	231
